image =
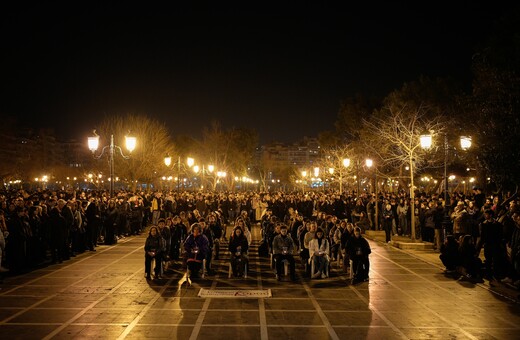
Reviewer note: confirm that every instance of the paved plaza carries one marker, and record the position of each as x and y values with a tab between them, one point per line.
104	294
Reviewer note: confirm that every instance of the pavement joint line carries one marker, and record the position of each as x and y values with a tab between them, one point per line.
89	307
476	306
446	320
374	309
264	335
4	321
320	312
477	284
200	319
58	270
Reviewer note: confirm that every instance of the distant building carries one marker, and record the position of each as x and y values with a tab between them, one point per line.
301	154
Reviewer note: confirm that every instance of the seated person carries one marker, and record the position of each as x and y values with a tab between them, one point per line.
450	254
153	249
307	238
345	237
469	259
358	250
304	252
196	247
319	251
238	247
283	248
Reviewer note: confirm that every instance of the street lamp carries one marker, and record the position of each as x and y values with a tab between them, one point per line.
93	144
465	144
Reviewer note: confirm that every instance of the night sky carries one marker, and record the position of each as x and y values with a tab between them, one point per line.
281	70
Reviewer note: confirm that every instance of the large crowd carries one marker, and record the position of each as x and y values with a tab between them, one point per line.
44	227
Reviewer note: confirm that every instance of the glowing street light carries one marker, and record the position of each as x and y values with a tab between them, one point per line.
465	142
93	144
426	141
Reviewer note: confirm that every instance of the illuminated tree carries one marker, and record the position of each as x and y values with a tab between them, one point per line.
153	143
394	136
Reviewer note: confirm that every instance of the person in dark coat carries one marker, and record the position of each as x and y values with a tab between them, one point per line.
450	254
93	216
469	260
58	233
238	247
111	218
490	238
16	247
388	216
179	232
358	250
153	249
196	249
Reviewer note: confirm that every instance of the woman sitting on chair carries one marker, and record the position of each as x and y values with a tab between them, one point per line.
319	251
196	247
238	247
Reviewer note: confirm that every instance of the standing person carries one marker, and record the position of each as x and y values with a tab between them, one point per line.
196	249
57	235
136	214
3	235
111	217
16	248
179	232
66	212
490	238
358	250
283	248
76	230
388	217
402	213
461	221
93	216
165	232
153	249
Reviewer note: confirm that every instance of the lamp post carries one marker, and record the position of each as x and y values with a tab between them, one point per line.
189	162
465	144
93	144
346	164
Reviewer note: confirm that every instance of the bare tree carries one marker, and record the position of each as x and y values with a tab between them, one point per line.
337	160
153	144
394	136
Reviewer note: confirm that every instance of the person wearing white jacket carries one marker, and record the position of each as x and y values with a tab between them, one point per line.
319	249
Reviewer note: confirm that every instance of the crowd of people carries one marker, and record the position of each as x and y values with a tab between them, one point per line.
52	226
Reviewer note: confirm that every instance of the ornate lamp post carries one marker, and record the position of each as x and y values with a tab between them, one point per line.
93	144
465	144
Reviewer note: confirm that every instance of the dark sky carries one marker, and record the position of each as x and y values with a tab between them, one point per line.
281	70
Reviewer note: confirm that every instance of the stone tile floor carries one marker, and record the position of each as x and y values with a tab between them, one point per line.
105	295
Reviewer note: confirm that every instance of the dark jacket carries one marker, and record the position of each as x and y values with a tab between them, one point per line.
358	247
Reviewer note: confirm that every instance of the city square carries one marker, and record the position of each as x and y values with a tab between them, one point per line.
274	171
104	295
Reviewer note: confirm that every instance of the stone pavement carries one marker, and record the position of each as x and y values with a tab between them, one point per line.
105	295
